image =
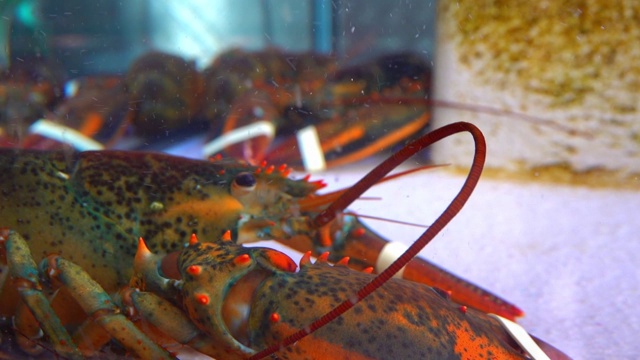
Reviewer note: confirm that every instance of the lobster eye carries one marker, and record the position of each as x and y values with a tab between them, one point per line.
245	180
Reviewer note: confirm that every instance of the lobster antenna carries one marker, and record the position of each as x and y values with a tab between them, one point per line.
361	186
532	119
378	218
314	202
482	109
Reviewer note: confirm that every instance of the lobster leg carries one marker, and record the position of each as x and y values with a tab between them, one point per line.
23	270
85	291
96	302
27	330
169	319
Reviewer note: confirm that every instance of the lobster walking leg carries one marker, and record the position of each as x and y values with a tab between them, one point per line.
98	304
23	270
171	320
87	292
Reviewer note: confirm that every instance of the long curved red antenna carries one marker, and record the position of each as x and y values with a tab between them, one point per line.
364	184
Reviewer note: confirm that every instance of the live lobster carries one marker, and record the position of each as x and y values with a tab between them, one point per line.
354	111
92	210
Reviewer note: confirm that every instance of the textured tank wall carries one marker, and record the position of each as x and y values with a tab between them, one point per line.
575	64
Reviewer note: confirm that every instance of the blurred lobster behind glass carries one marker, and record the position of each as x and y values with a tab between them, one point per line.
254	104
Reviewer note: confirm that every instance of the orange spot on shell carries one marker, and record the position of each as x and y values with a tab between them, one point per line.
358	232
275	317
242	259
470	343
193	240
202	299
194	270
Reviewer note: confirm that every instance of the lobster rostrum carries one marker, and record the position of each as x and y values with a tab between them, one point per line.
78	279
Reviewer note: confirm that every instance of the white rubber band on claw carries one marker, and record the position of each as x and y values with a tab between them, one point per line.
259	128
390	253
64	134
311	149
521	336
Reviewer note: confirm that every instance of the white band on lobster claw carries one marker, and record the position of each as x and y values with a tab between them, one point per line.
521	336
258	128
311	149
390	253
64	134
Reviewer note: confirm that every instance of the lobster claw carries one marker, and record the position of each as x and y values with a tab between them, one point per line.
312	142
165	91
94	113
322	116
219	284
